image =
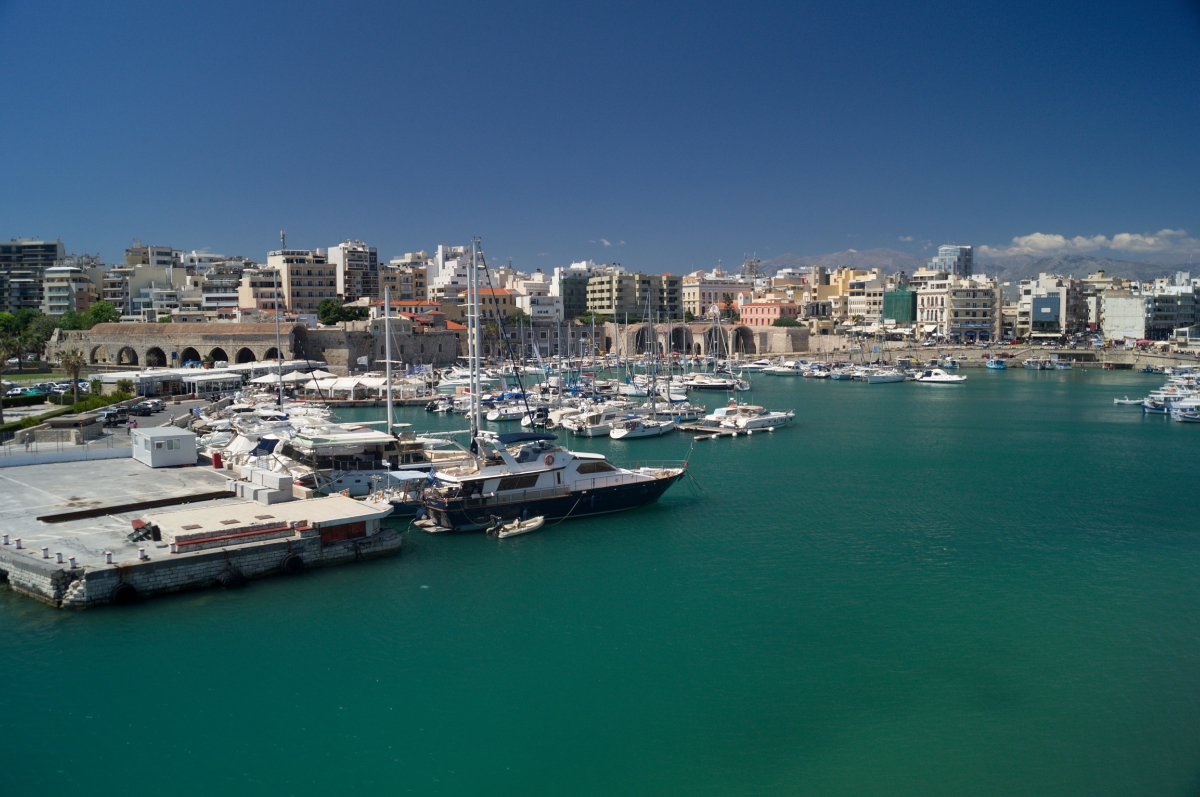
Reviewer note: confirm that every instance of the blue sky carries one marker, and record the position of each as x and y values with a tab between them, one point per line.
679	133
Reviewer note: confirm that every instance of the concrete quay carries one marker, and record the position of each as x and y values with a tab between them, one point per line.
73	521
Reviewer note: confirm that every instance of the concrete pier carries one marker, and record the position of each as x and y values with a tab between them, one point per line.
204	543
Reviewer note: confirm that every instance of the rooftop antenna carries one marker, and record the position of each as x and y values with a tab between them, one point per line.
283	239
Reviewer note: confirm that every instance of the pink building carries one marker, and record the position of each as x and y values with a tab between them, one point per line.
763	314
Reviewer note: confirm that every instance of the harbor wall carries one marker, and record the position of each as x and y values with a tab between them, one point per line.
57	585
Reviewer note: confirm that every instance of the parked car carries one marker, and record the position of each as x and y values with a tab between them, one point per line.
114	416
157	405
142	408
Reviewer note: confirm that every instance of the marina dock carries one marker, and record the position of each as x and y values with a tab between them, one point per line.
75	537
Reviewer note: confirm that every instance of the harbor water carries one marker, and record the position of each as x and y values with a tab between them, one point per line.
985	589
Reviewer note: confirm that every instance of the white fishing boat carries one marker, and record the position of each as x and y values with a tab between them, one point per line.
506	412
1128	401
788	368
936	376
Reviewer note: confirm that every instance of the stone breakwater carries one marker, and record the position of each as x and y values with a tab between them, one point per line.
163	572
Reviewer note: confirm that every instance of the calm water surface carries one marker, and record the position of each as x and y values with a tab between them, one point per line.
985	589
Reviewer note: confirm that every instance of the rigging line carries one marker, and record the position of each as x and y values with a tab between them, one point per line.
504	338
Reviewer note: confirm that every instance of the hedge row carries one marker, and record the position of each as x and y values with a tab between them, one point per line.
93	403
25	400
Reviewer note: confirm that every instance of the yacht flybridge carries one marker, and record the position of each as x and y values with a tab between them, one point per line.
523	475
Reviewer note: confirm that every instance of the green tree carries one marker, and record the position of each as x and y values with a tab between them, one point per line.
102	313
332	311
72	362
24	317
165	319
95	387
125	386
517	316
72	320
786	322
688	316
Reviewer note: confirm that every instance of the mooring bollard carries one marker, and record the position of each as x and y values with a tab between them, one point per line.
58	557
18	542
71	562
5	538
45	553
141	553
108	557
173	548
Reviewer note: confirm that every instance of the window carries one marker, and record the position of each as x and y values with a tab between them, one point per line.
594	467
518	482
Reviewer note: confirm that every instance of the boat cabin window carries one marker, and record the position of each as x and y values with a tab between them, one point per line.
518	482
594	467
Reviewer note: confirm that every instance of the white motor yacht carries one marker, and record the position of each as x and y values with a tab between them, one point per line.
936	376
750	416
631	427
884	376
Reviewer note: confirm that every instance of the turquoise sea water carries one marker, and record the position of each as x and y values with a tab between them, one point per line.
985	589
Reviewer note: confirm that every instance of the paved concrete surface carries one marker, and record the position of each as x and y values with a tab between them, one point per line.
35	490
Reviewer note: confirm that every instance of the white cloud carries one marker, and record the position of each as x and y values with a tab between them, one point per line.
905	238
543	254
1040	243
605	242
620	243
591	242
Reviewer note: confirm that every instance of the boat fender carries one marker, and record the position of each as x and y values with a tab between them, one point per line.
549	460
124	594
231	578
292	565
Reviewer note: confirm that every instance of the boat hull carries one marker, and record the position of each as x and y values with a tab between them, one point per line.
475	514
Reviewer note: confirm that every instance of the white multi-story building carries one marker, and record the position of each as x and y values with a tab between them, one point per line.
1050	307
959	310
541	308
1123	314
357	267
70	288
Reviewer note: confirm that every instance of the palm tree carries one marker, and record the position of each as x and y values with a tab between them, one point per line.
72	362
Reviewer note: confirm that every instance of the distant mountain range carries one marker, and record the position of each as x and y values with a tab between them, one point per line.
1011	268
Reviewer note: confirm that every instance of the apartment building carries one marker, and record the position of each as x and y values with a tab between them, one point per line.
959	310
622	295
157	256
404	281
357	267
67	287
260	289
123	286
305	276
23	262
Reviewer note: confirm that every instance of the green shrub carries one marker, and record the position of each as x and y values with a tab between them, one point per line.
26	400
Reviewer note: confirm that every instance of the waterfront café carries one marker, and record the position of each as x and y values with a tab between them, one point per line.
212	382
171	381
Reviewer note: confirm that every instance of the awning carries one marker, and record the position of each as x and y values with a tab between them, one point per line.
929	328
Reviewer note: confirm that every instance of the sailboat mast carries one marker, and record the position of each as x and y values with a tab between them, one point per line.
387	351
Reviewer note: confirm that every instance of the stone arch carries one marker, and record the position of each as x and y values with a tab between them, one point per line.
218	354
608	343
681	339
741	341
696	349
714	342
156	357
641	339
127	356
245	355
189	355
273	353
99	355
